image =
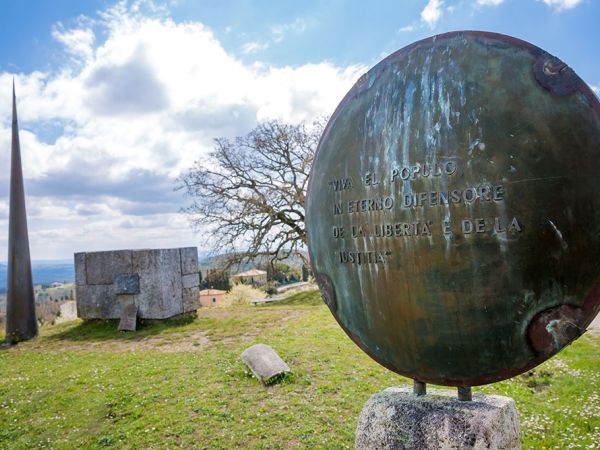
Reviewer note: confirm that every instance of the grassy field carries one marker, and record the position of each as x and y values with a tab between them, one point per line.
182	384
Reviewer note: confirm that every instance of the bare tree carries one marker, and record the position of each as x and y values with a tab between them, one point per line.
249	194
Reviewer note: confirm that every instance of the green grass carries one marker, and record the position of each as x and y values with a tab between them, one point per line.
305	298
182	384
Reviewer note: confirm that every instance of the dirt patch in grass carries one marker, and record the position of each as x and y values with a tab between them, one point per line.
194	342
211	327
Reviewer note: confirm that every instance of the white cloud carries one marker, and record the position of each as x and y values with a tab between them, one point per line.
407	29
561	5
596	90
104	136
432	12
253	47
78	42
489	2
280	30
296	94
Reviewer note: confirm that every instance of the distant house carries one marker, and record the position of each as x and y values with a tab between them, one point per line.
253	277
56	284
212	297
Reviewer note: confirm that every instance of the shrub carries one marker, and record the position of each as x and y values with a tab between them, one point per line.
243	294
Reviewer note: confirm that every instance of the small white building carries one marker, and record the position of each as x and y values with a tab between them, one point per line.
253	277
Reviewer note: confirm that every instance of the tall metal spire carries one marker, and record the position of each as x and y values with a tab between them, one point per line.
21	323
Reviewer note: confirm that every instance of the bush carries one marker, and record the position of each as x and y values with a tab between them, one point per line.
271	288
243	294
47	312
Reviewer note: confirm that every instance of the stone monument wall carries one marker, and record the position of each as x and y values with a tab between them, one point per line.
163	283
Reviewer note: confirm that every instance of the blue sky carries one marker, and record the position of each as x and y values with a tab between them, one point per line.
343	32
117	98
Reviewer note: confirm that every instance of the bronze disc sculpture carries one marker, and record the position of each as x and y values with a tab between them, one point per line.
452	213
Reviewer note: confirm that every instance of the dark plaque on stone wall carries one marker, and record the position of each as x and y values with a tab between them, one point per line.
453	213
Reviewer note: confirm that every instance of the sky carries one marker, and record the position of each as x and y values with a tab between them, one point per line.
116	99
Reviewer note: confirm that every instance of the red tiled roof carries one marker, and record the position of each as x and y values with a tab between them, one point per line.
251	273
212	292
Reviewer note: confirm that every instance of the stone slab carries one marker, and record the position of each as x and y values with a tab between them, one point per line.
127	284
97	302
154	276
191	299
102	267
397	419
189	260
160	294
191	280
80	278
129	311
264	362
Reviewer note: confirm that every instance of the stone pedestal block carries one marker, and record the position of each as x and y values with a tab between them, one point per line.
189	260
102	267
162	283
80	278
191	299
397	419
190	281
97	302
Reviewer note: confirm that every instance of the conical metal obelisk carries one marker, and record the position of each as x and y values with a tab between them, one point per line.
21	322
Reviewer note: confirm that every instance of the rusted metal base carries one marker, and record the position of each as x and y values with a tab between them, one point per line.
419	388
465	394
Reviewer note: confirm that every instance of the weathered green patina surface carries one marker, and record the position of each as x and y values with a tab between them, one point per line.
453	212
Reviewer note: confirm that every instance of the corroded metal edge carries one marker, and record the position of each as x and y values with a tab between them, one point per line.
591	303
574	84
327	290
553	329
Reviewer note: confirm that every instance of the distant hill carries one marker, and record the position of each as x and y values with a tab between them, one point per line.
49	271
44	272
207	261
